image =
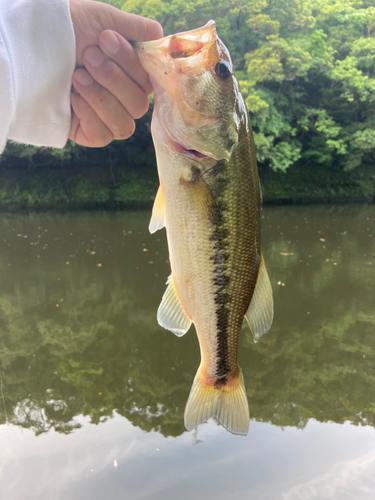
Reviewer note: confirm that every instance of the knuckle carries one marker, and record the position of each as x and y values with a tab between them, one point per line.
95	100
112	73
98	98
142	28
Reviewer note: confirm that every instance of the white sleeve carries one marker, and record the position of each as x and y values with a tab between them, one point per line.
37	60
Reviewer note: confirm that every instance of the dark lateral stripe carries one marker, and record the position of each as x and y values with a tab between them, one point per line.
221	282
220	382
221	297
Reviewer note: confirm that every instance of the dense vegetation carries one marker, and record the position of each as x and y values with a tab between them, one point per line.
307	72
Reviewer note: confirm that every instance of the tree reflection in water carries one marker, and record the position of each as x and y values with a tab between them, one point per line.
81	339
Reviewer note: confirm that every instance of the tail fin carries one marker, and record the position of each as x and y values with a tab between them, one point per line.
228	404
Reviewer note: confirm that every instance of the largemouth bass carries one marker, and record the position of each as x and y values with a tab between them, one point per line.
209	201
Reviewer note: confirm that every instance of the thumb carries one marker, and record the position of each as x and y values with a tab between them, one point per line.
91	18
130	26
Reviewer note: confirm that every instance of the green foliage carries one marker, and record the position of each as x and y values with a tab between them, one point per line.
77	188
32	156
114	3
317	64
306	69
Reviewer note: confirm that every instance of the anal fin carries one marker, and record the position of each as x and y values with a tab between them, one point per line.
158	212
171	314
260	312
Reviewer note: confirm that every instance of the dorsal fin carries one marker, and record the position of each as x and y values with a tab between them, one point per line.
260	312
171	314
158	212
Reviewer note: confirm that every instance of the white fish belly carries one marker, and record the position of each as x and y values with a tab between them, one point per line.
190	250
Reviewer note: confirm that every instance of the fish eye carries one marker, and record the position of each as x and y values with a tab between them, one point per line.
223	69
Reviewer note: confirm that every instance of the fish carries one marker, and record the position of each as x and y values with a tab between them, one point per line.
209	201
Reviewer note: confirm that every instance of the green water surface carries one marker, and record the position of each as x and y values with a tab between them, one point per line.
92	390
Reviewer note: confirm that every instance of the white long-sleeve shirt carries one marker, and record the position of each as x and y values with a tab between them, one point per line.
37	60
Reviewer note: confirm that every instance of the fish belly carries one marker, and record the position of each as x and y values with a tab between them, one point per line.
190	249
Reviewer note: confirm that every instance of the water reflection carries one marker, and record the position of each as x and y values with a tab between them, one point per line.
78	330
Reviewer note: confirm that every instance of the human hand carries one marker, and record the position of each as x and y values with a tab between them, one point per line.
91	18
111	91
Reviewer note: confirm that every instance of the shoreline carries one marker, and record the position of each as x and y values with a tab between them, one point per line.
110	207
80	187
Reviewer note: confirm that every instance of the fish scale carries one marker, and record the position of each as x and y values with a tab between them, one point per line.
209	201
241	222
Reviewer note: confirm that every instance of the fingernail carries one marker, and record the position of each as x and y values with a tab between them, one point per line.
83	78
94	56
109	43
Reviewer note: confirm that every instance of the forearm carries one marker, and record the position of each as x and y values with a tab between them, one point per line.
37	60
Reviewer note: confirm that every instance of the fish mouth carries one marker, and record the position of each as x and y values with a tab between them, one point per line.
183	44
186	52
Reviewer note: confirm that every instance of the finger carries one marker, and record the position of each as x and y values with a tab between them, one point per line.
110	76
105	105
91	18
87	129
120	50
130	26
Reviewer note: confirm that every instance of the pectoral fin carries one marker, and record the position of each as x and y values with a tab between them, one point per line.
260	312
171	314
158	212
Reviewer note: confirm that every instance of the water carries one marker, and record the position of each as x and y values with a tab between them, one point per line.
92	390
